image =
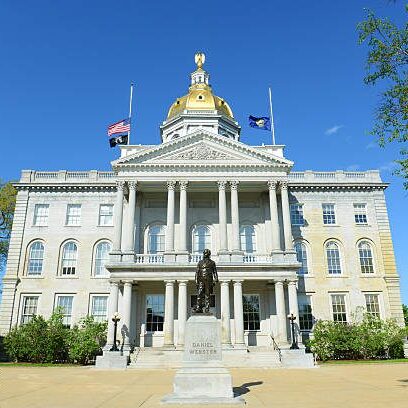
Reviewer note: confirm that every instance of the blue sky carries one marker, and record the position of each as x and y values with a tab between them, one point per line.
66	67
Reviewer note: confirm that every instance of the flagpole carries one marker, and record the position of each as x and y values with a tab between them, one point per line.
130	111
272	122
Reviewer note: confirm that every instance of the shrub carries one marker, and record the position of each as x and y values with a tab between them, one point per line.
38	341
86	340
368	339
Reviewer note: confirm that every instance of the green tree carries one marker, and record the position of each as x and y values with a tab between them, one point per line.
387	62
405	310
7	205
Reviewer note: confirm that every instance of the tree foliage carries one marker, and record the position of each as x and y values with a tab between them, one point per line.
405	311
370	338
7	205
387	62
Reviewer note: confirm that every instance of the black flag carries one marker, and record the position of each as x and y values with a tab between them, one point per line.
118	140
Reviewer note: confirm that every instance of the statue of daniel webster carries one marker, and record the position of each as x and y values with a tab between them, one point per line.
206	276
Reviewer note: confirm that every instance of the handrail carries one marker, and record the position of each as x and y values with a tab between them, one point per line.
276	347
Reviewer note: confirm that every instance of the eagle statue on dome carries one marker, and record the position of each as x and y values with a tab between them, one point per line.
199	59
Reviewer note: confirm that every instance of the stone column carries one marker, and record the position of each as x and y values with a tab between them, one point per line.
225	314
238	315
236	245
127	308
273	206
170	220
270	301
118	217
222	217
182	311
130	232
287	227
294	307
112	308
281	313
169	314
182	239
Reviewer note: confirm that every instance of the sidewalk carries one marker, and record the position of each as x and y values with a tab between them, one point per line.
369	385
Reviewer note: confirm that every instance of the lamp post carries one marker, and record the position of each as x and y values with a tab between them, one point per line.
292	319
115	320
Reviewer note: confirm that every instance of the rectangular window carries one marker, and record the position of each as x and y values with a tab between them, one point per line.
154	312
305	313
106	214
30	304
99	308
360	214
65	303
339	308
73	214
372	305
251	312
193	302
329	216
41	215
296	214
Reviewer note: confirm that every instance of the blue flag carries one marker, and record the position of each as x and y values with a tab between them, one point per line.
264	122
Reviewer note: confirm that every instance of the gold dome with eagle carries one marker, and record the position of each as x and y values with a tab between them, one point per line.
200	96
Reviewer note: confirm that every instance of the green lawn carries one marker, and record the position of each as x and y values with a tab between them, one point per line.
37	365
396	360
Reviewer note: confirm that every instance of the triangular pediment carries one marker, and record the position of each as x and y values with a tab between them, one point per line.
201	148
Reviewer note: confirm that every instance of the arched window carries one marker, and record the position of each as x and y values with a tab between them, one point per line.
333	258
156	237
201	239
69	258
301	253
248	239
366	257
35	258
101	257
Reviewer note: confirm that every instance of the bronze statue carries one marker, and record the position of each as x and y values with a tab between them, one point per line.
206	277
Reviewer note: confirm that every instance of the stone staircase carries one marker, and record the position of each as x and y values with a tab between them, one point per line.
250	357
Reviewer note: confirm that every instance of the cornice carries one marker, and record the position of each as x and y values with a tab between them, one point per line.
65	187
343	186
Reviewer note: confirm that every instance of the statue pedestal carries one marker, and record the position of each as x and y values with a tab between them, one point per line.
203	379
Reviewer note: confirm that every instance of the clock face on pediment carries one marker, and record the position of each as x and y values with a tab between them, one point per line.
202	149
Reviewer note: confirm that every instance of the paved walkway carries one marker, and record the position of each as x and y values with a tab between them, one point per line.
346	386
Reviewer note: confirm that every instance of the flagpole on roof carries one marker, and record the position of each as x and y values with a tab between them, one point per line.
271	112
130	111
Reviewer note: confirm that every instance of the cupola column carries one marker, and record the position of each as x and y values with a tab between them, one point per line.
287	227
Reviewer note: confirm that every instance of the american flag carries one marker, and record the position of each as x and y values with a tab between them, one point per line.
119	127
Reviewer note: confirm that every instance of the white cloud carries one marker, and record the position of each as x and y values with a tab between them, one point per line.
333	130
372	145
353	167
389	167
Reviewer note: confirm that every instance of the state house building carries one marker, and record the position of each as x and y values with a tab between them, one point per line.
315	244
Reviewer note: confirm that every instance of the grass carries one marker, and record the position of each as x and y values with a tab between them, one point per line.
10	364
395	360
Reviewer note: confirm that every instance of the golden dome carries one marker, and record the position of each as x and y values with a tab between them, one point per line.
200	96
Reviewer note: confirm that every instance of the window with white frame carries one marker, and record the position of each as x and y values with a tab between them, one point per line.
101	257
154	312
296	214
366	257
64	302
106	215
333	258
372	304
73	215
305	312
339	308
360	213
301	254
99	307
251	312
156	239
41	215
35	258
329	215
201	239
69	258
248	239
29	308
